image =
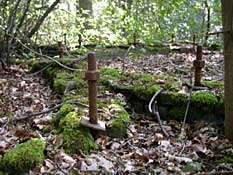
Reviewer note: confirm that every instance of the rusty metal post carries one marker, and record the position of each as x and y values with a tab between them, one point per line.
92	75
61	49
198	65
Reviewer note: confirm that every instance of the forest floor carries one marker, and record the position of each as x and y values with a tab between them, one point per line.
201	148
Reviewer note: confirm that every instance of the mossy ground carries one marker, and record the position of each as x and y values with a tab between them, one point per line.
225	160
23	157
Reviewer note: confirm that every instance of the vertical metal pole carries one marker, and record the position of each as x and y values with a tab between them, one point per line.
92	89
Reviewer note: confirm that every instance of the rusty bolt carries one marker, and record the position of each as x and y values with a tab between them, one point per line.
198	65
92	75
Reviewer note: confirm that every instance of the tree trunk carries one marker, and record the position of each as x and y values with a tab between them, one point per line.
227	13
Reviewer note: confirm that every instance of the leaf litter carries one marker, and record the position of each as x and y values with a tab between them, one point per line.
144	151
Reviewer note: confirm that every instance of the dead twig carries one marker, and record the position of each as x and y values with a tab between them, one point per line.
45	56
36	114
27	116
35	73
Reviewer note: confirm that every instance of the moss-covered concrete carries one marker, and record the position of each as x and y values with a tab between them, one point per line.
204	99
141	87
75	137
117	126
23	157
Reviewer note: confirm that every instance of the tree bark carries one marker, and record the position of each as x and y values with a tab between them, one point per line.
227	19
42	18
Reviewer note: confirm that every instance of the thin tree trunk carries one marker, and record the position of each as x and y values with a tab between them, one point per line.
207	22
42	18
23	17
227	13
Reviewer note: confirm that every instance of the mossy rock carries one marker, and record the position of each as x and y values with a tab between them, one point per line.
50	73
23	157
37	64
61	81
144	92
177	112
204	99
117	126
109	76
69	81
172	98
75	136
141	78
64	110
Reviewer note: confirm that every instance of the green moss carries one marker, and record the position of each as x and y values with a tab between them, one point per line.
117	125
35	65
50	73
81	84
110	71
109	76
192	167
204	99
213	84
1	173
177	112
64	110
122	117
225	160
64	60
173	98
75	137
141	78
61	81
23	157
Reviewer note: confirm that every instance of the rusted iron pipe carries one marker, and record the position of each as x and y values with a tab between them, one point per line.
198	65
92	75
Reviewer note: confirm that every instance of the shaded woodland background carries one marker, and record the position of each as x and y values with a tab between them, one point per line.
107	23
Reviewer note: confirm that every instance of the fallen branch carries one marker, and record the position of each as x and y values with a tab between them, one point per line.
27	116
36	114
45	56
35	73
